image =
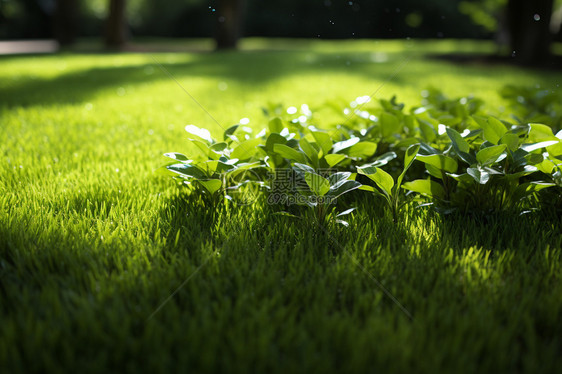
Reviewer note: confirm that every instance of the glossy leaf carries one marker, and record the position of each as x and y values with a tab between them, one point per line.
441	162
177	156
363	149
493	128
211	185
275	125
511	141
218	147
187	170
340	146
539	133
273	139
317	184
290	153
427	130
309	151
246	150
530	188
382	179
345	212
339	178
323	140
204	150
409	158
534	146
304	168
230	131
479	175
487	156
203	134
459	144
389	124
344	188
426	187
334	159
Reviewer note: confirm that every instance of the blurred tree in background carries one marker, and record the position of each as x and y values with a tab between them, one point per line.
116	24
65	21
230	19
527	27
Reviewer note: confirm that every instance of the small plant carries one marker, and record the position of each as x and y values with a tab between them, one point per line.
467	160
323	192
213	171
389	189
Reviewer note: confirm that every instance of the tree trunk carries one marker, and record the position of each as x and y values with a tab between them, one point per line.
229	23
65	21
528	24
116	25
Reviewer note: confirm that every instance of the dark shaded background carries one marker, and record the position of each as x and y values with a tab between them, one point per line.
525	27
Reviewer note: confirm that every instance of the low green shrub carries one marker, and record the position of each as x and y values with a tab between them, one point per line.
466	160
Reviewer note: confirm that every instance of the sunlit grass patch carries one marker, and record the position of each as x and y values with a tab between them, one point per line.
93	242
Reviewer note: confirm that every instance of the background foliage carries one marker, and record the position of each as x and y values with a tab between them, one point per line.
289	18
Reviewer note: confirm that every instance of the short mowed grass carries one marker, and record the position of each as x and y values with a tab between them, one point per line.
107	266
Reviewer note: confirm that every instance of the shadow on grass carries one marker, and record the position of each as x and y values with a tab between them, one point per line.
250	67
531	232
484	60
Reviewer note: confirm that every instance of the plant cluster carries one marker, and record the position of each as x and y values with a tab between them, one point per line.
445	151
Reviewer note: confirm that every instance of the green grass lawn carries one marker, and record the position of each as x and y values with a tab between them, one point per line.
106	266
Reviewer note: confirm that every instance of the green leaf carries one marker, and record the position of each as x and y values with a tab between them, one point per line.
334	159
275	125
463	178
534	146
337	179
304	168
493	128
242	168
441	162
218	147
317	183
323	140
228	132
273	139
487	156
246	149
363	149
427	130
434	172
344	188
177	156
479	175
384	159
530	188
290	153
211	185
511	141
340	146
409	158
204	149
547	166
309	151
209	167
203	134
539	133
425	187
187	170
459	144
555	150
382	179
389	124
345	212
